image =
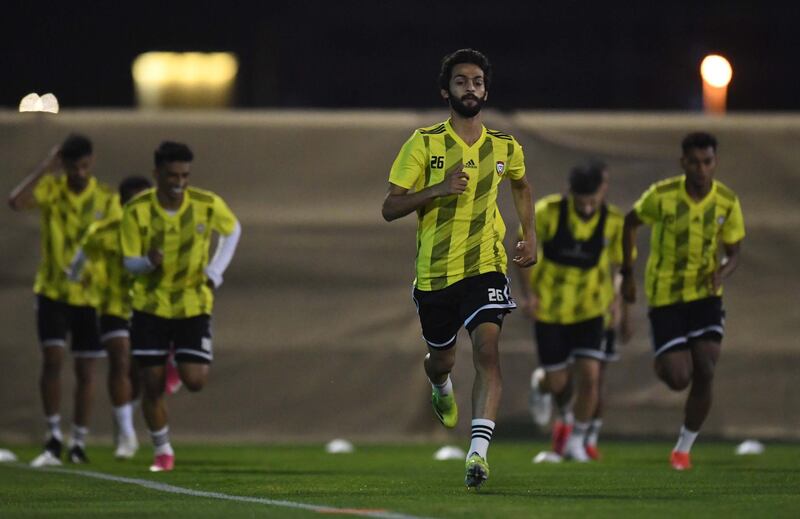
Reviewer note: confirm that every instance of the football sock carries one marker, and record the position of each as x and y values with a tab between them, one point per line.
445	388
482	430
686	439
124	417
161	443
566	414
578	435
79	435
594	431
54	427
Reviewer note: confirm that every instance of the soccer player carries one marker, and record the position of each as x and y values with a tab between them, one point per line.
102	245
568	296
68	203
692	217
165	235
449	175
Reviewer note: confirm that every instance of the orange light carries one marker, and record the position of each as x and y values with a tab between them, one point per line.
716	71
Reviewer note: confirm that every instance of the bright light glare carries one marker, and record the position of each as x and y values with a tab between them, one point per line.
716	71
186	68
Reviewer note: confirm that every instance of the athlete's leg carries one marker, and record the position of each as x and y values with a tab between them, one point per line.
119	370
194	375
84	390
50	379
674	368
487	387
154	406
439	363
705	354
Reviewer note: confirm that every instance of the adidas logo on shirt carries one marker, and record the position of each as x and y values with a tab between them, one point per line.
470	164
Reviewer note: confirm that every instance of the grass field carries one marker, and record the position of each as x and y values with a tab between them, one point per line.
633	479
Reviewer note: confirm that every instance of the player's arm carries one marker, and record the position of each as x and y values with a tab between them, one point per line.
526	253
399	202
21	197
226	247
632	224
728	263
131	244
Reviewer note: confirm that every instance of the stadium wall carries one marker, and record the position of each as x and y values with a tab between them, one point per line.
315	334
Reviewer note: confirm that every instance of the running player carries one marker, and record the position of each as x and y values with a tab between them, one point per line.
69	204
569	293
166	234
101	245
692	216
449	175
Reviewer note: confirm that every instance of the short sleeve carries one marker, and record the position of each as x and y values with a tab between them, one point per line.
223	221
45	191
410	163
516	162
130	238
733	227
647	207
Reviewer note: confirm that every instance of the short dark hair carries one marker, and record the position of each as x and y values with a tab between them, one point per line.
75	146
699	140
132	185
169	151
464	56
586	178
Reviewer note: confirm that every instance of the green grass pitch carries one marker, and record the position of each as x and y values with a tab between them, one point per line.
632	480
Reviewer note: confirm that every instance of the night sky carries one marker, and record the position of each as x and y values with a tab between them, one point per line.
547	55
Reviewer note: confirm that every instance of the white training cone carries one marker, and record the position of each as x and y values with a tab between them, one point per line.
6	456
339	446
546	457
449	452
748	447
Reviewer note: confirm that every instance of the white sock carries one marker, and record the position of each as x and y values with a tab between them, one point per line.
686	439
594	431
445	388
482	431
566	414
54	427
79	435
578	436
161	443
124	417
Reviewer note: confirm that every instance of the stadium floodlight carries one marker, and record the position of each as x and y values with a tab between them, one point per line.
34	103
716	72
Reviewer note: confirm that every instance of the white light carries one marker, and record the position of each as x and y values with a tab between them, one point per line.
33	103
716	71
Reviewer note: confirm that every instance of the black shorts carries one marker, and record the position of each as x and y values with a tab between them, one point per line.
558	344
673	326
56	319
152	337
485	298
112	326
609	345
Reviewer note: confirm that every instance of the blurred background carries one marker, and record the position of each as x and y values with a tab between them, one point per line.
296	112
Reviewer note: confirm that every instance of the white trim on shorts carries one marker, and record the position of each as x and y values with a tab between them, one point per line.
196	353
509	306
49	343
588	352
694	333
89	354
113	334
438	346
145	353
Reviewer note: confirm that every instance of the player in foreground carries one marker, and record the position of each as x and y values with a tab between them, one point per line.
101	245
568	295
69	203
692	216
449	175
165	235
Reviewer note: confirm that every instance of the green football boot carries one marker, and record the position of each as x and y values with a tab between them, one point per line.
445	409
477	471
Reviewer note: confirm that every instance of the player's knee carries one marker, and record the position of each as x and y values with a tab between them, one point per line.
675	380
194	384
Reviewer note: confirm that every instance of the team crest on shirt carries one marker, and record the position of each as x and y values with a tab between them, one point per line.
200	228
500	166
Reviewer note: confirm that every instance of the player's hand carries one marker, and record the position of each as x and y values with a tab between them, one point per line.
715	282
454	183
628	289
156	257
526	254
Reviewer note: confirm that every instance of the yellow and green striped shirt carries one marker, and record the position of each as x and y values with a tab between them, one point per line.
101	245
177	288
685	239
458	236
569	294
66	217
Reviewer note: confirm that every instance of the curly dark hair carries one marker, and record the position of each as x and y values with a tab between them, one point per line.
464	56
